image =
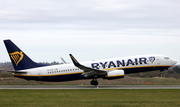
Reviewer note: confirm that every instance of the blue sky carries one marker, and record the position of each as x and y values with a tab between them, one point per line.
90	29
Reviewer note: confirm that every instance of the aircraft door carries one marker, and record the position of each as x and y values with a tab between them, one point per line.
158	61
39	75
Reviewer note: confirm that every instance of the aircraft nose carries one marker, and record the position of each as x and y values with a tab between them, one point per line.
173	62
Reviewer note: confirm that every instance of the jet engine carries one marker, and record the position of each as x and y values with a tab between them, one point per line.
115	74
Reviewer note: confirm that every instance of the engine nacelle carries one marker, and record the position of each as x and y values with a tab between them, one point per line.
114	74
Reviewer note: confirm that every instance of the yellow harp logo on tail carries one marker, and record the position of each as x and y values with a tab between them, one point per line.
17	57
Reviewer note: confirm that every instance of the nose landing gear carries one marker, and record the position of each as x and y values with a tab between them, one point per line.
161	74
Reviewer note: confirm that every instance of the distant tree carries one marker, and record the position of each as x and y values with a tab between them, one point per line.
170	71
54	63
176	69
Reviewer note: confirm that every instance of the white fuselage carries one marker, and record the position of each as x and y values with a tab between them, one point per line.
67	72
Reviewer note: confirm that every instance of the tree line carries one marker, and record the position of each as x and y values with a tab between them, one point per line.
173	72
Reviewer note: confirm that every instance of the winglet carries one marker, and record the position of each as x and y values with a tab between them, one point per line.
76	63
63	61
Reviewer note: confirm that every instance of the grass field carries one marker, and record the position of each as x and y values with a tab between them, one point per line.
90	98
162	81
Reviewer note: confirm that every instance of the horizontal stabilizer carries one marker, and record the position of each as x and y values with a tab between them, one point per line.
2	69
17	71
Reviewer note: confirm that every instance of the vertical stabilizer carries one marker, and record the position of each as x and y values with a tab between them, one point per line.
18	58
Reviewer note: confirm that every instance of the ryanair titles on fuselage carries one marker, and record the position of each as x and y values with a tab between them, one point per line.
122	63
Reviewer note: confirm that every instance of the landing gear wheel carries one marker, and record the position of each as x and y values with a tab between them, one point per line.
161	74
94	82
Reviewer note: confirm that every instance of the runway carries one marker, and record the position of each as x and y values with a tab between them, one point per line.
90	87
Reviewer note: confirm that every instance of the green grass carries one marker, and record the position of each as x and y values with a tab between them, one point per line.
90	98
162	81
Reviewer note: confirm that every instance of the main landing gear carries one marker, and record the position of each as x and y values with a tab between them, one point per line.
94	82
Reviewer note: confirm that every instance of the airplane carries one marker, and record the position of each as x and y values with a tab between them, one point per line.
109	69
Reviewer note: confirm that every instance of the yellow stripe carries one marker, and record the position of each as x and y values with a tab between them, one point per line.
103	69
73	59
115	75
48	75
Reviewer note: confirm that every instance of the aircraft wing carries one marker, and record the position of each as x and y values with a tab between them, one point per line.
87	70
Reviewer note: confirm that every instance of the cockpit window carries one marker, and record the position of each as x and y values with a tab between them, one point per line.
166	57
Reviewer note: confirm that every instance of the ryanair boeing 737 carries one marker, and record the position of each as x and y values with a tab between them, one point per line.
107	69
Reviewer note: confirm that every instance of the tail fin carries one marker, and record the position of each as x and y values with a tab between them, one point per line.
18	58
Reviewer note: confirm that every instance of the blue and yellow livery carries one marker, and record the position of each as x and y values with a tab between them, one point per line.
113	68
